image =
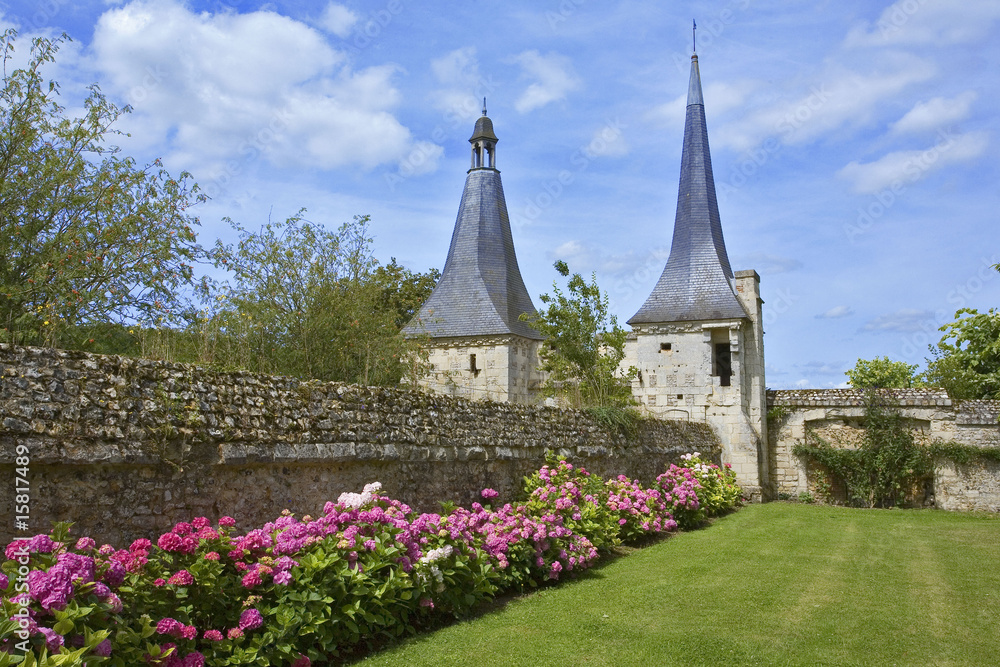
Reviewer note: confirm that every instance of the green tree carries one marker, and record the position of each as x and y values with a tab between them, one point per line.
966	361
584	345
308	302
86	236
883	374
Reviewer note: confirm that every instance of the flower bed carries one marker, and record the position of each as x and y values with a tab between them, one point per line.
297	590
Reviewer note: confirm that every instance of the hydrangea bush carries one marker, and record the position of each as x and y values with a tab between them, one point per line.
298	591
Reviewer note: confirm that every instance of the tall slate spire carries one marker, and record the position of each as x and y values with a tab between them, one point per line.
480	292
696	283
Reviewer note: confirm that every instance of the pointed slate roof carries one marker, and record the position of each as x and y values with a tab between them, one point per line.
480	292
696	283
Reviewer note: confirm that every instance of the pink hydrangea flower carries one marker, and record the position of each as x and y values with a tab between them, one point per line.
251	619
85	544
227	522
489	494
234	633
213	635
211	555
181	578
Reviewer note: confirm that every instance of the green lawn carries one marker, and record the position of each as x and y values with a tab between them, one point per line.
774	584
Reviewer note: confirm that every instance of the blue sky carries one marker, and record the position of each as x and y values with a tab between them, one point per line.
853	142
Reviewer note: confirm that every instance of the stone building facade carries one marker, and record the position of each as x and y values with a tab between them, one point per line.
697	341
479	347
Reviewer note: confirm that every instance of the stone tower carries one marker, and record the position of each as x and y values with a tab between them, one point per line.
697	340
479	347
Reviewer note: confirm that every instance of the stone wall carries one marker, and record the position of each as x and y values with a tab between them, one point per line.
837	416
127	447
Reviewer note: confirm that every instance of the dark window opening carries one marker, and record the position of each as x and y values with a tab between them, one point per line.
680	397
472	365
723	363
665	347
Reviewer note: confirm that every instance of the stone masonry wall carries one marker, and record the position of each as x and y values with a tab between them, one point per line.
837	416
127	447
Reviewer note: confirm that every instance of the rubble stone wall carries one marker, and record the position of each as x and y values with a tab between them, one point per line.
837	416
127	447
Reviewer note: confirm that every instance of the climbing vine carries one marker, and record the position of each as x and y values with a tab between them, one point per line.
886	468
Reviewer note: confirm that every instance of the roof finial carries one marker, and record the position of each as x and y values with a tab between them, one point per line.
484	106
694	36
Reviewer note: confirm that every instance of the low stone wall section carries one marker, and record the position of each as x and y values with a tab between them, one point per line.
127	447
837	416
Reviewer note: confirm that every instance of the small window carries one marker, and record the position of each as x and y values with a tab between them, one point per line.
472	365
680	397
723	363
665	347
652	399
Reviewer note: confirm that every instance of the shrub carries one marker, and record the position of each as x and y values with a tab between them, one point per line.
298	591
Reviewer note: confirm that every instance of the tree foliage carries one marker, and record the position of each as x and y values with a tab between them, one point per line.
966	361
882	373
86	236
584	345
305	301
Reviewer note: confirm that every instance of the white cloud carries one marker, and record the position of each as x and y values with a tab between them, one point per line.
896	169
227	89
838	98
928	22
553	79
906	320
338	19
461	96
934	113
836	312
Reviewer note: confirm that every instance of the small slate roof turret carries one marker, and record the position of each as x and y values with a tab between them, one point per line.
696	283
480	292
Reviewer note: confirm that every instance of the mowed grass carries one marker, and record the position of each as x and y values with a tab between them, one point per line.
774	584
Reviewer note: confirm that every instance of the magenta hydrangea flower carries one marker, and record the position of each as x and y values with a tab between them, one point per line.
85	544
251	579
169	626
302	661
181	578
213	635
227	522
234	633
200	522
488	494
53	640
103	649
251	619
283	578
3	582
212	555
194	659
